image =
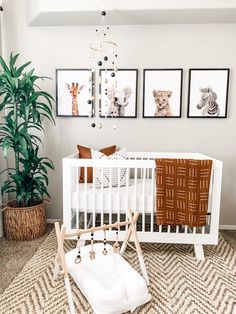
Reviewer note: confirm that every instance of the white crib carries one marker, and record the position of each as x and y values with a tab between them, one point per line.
85	205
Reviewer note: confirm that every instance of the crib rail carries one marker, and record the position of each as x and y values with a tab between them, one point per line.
91	204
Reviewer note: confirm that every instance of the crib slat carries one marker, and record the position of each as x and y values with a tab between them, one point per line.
85	196
152	197
135	189
118	194
127	196
143	199
77	197
110	195
94	198
102	209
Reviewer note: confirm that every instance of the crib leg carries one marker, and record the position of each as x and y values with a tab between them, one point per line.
69	296
198	248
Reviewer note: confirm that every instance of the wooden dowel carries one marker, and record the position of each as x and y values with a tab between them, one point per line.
108	226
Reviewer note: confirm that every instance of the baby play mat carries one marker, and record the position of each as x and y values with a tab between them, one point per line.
108	282
178	284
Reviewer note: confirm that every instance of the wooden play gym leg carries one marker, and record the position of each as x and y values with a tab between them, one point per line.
61	255
127	237
137	244
56	269
199	253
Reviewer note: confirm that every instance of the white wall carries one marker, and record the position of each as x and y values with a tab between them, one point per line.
160	46
2	161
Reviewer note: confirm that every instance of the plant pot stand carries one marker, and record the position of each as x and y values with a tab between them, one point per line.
26	223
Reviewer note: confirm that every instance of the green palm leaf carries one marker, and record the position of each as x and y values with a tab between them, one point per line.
24	105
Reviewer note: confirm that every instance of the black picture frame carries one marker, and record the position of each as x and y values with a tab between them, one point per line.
89	87
147	98
214	81
103	97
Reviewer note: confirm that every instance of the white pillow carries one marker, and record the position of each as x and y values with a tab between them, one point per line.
105	178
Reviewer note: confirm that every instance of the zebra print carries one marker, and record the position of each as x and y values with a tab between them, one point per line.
208	103
211	110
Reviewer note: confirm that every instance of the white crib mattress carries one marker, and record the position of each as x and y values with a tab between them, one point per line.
108	282
140	199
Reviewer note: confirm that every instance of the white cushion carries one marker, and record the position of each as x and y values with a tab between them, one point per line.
104	180
108	282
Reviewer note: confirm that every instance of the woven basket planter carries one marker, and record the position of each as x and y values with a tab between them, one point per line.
26	223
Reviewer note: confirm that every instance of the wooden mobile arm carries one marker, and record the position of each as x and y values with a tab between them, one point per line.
79	232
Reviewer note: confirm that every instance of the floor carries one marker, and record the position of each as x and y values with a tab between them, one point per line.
14	255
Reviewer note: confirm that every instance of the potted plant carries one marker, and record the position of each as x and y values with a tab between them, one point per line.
24	106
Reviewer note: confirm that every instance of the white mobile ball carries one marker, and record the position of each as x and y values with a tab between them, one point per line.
99	125
114	126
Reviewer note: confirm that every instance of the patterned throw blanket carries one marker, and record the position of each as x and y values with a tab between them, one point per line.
182	189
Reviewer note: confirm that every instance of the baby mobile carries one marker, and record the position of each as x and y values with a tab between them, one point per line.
92	254
103	55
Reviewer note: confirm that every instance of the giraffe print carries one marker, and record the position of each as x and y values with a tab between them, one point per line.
74	90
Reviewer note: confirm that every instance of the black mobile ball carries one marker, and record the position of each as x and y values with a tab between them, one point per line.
105	58
115	98
89	101
113	74
93	125
103	13
99	63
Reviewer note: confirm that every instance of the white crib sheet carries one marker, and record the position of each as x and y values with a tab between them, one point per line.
97	200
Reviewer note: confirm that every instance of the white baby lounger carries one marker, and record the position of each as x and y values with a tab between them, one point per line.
109	283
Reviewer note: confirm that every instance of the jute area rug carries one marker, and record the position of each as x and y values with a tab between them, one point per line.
179	284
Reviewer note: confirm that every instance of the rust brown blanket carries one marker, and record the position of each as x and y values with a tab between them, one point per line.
182	188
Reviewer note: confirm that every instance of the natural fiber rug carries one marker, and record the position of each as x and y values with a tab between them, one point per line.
179	284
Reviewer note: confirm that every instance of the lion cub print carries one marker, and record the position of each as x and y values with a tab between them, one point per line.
161	98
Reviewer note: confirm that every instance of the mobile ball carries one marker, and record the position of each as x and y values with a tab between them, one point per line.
105	58
89	101
99	63
113	74
93	125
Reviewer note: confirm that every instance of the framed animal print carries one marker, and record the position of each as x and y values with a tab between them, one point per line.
74	93
162	93
208	93
118	93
